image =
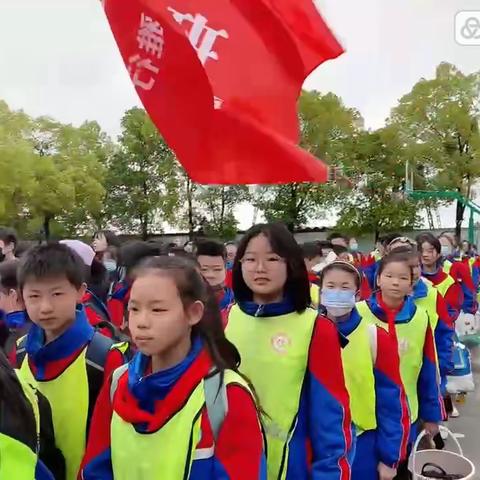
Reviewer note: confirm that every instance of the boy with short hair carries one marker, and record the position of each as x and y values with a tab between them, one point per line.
8	244
64	357
212	257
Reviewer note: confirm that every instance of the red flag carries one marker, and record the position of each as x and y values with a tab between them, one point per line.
220	80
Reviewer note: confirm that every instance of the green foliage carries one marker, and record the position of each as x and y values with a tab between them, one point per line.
439	121
142	178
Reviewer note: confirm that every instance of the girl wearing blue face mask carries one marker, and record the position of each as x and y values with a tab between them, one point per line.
372	374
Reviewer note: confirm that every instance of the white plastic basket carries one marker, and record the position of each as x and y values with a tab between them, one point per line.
451	462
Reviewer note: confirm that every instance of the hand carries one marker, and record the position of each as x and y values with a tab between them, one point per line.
386	473
432	429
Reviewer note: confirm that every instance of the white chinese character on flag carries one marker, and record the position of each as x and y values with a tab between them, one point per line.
150	36
138	65
201	37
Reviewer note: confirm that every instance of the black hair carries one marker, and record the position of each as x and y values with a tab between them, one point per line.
283	244
192	287
337	235
389	237
311	250
227	244
344	267
133	252
431	239
98	280
51	260
8	276
395	257
110	237
14	402
339	249
8	236
406	250
211	248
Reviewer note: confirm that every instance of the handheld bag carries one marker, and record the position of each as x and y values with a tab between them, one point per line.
440	464
460	379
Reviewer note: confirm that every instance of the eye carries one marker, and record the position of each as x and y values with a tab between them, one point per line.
273	259
132	308
58	294
158	310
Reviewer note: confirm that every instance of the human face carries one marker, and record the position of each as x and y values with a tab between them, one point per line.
264	271
100	243
51	303
429	255
213	270
337	279
231	252
6	250
465	247
159	323
395	282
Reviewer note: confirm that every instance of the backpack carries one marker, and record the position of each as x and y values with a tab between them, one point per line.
96	357
215	392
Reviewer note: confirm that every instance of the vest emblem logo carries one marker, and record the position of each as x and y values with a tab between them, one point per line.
281	342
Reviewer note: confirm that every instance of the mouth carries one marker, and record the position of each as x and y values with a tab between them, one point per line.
261	280
143	339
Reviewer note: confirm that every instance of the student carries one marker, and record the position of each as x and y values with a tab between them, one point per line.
63	356
131	254
27	440
372	373
292	357
312	256
462	271
11	304
393	309
212	257
430	256
338	239
426	296
231	253
104	240
180	409
8	244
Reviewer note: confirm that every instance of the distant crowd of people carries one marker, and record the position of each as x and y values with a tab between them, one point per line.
262	359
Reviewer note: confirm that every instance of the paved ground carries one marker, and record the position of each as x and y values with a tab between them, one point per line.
468	424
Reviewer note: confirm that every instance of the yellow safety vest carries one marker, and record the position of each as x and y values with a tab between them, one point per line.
357	359
411	340
444	285
315	295
274	353
68	397
17	460
429	303
168	453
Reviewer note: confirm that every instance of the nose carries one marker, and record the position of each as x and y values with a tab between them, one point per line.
141	319
45	305
260	267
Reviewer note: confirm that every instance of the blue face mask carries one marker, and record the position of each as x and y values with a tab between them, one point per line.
338	302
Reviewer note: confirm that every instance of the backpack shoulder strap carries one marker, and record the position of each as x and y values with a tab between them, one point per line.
21	352
115	379
95	357
97	351
216	401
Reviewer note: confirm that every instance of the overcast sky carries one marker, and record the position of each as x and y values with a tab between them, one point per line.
58	57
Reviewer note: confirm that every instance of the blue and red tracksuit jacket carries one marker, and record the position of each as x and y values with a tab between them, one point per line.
444	331
48	361
460	272
369	269
323	443
148	401
430	402
393	421
453	296
117	304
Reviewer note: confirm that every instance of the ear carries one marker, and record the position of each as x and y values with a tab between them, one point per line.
195	312
13	296
81	292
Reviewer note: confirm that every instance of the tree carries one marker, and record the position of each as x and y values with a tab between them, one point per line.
218	206
327	129
376	201
142	177
439	120
68	175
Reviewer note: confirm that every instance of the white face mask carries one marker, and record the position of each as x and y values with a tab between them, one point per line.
446	250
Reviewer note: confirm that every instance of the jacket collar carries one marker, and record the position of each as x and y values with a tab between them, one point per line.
268	310
348	325
405	314
420	290
75	337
